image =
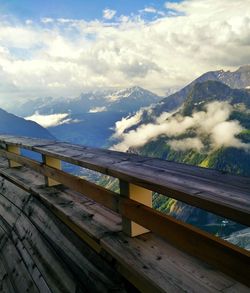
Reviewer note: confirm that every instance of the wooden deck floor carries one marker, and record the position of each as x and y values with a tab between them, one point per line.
56	240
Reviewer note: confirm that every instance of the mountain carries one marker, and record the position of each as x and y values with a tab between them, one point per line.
127	100
90	118
13	125
239	79
208	91
130	100
232	159
229	158
210	128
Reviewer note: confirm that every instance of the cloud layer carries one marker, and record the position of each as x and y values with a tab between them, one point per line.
50	120
63	57
213	124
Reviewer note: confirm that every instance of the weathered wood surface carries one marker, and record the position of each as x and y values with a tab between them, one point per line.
47	255
223	194
149	263
5	283
184	236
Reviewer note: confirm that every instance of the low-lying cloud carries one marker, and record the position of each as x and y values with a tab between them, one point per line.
127	122
194	143
212	123
50	120
98	109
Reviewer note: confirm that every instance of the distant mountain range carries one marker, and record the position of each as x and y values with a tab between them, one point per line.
127	101
13	125
92	116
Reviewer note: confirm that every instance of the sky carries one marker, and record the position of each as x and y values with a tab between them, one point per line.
74	9
62	48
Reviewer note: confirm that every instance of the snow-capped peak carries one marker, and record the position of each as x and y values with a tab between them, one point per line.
126	93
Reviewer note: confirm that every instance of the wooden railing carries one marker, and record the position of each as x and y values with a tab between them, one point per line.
213	191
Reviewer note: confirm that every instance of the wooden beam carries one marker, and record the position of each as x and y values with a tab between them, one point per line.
15	150
99	194
51	162
140	195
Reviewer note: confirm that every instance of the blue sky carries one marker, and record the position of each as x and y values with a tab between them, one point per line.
77	9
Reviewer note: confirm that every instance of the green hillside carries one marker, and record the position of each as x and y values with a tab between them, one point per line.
226	159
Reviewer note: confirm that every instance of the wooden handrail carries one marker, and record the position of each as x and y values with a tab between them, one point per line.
133	169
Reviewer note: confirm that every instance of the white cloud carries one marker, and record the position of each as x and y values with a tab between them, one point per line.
150	10
153	10
47	20
70	56
50	120
127	122
212	123
98	109
185	144
108	13
224	134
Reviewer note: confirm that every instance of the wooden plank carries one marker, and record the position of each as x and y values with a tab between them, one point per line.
91	270
5	283
225	195
236	288
8	211
228	258
31	265
19	275
10	191
57	275
40	254
24	142
153	265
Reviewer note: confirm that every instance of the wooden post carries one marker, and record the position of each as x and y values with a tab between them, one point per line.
140	195
16	150
51	162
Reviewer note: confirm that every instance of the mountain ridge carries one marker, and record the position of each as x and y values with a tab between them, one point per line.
237	79
12	125
124	100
